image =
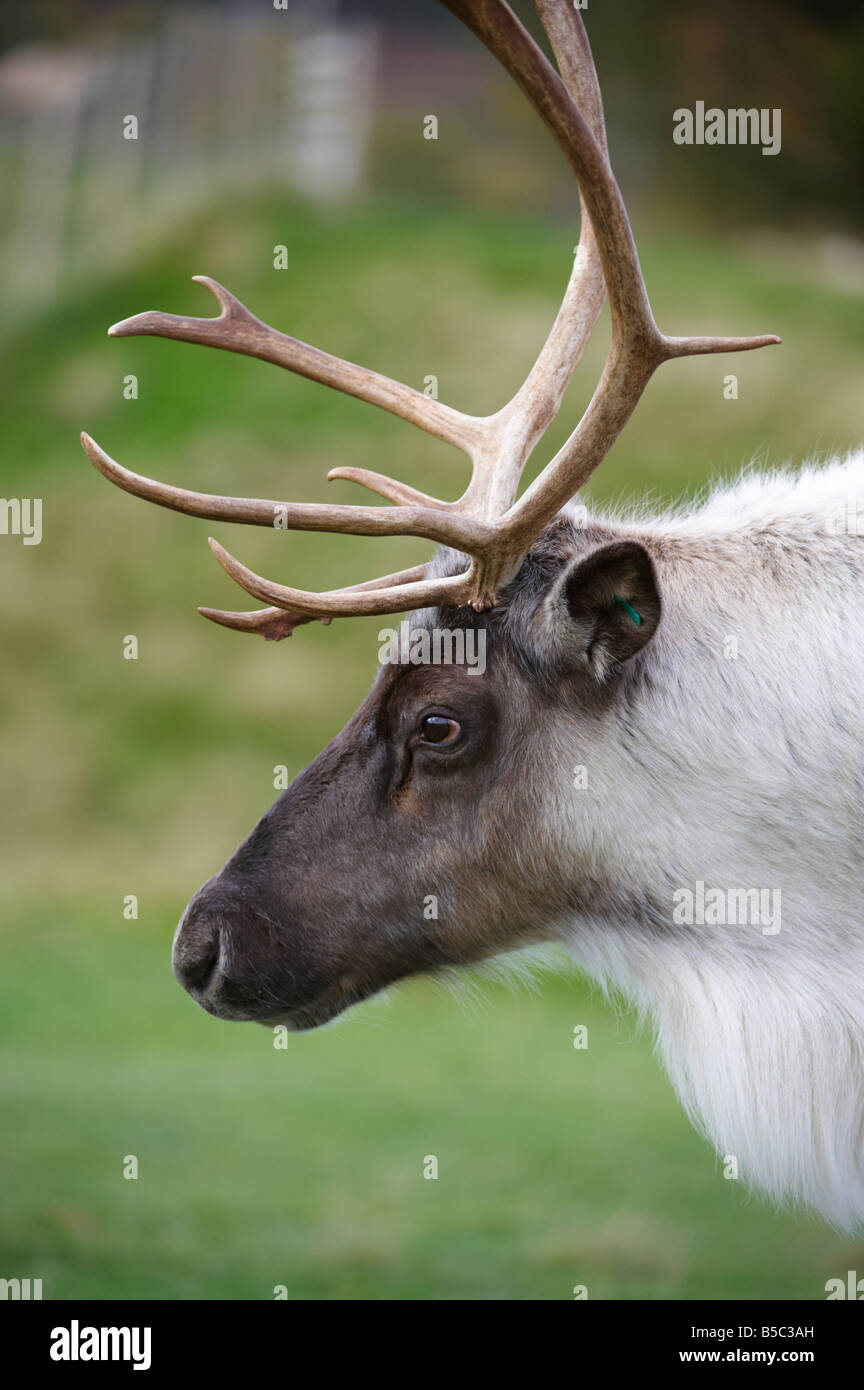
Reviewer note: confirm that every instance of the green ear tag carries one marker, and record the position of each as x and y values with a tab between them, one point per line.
630	609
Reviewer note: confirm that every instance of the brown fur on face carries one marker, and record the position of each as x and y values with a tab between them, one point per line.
389	856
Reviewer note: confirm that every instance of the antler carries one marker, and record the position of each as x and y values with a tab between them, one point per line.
487	523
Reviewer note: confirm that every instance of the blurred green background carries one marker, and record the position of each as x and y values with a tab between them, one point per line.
304	1167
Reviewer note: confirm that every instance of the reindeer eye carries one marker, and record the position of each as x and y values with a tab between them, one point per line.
437	728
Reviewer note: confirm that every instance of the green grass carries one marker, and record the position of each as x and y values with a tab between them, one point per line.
303	1167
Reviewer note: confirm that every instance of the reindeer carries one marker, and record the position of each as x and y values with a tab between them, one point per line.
713	778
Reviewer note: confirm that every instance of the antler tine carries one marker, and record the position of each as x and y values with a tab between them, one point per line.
428	521
275	623
270	623
348	603
235	329
390	488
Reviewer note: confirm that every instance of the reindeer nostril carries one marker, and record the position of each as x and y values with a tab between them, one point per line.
196	954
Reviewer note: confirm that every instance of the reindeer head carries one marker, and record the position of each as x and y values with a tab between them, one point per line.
426	834
430	832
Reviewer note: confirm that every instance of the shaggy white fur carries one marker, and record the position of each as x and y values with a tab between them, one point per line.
739	767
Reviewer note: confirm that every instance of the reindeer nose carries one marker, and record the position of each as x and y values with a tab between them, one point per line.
195	955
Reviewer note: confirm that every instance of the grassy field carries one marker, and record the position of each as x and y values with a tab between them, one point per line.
304	1167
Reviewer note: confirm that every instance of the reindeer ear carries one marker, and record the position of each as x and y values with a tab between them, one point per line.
603	608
